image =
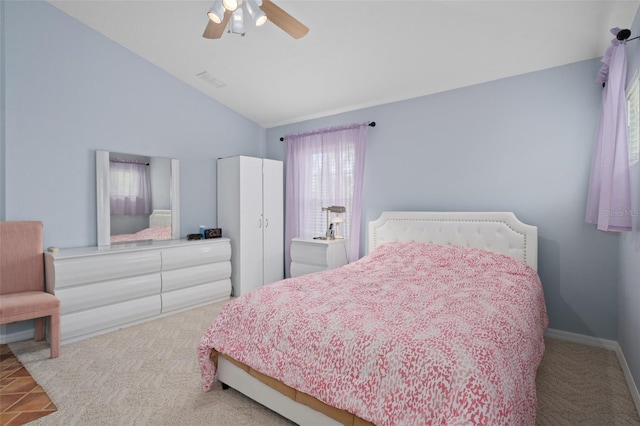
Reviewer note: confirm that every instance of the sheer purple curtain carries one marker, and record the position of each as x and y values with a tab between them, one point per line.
324	168
130	188
609	199
635	204
634	172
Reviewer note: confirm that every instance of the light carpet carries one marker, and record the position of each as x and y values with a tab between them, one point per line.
149	374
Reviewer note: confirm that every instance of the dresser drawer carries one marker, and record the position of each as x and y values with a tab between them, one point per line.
308	256
90	269
187	277
198	254
80	298
298	269
197	295
311	254
109	317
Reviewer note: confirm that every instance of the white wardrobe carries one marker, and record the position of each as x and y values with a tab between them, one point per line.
250	208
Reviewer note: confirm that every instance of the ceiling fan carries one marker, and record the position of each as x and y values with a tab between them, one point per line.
237	13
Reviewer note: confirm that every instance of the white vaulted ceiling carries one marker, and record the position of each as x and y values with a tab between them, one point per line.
357	53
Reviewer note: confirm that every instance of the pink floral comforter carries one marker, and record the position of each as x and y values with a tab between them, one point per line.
411	334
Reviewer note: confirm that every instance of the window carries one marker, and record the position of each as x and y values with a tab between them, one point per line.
633	119
332	180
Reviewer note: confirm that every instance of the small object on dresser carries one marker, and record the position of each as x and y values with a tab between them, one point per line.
194	237
213	233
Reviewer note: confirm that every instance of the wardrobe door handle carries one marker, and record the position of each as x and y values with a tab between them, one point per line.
266	223
260	223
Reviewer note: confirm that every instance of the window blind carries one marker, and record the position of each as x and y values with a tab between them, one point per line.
324	191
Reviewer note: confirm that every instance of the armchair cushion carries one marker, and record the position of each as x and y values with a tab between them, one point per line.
26	305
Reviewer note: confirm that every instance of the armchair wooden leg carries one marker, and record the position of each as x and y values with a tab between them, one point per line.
39	329
54	335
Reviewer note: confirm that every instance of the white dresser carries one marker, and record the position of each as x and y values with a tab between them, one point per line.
105	288
311	255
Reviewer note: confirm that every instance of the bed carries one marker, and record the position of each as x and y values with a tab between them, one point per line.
441	322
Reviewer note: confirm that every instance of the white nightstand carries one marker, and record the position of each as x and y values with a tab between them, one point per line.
311	255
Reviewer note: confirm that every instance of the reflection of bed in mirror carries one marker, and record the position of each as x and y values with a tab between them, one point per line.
162	224
159	229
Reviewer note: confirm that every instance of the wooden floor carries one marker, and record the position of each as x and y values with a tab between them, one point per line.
22	400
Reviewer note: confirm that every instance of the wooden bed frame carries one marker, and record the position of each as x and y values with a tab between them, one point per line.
500	232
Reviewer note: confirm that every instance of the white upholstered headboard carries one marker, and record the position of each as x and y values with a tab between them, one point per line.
500	232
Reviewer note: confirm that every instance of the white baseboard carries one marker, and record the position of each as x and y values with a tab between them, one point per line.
633	388
582	339
611	345
16	336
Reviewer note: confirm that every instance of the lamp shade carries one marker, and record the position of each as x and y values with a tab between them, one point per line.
335	209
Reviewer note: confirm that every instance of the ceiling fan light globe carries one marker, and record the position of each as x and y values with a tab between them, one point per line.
258	16
216	13
214	18
230	5
261	20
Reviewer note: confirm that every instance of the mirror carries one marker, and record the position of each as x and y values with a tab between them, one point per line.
161	217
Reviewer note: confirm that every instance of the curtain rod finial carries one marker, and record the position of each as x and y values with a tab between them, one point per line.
623	34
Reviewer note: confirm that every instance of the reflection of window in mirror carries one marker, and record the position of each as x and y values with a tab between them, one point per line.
130	187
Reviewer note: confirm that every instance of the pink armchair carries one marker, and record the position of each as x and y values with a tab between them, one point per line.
23	292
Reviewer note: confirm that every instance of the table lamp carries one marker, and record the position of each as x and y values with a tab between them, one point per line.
330	234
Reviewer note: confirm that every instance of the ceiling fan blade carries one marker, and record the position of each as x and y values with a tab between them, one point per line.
214	30
282	19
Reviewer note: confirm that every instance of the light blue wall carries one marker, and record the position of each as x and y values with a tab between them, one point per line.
521	144
629	291
2	113
71	91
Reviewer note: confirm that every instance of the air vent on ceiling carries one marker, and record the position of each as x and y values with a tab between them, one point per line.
211	79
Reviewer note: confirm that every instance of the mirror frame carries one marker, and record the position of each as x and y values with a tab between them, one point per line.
103	188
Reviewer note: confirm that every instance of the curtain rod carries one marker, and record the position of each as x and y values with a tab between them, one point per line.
371	124
118	160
